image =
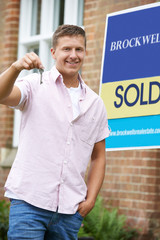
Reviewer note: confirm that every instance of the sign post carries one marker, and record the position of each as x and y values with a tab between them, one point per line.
130	79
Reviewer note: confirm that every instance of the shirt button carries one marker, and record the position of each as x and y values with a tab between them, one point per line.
62	181
68	142
69	105
65	161
71	124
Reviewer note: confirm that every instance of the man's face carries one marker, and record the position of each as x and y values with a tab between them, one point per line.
69	55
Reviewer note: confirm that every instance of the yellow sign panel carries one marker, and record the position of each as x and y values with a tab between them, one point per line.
132	98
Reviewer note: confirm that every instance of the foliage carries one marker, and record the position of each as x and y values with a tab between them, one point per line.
106	225
4	216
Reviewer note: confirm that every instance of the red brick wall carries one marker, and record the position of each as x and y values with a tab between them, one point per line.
132	183
9	22
132	177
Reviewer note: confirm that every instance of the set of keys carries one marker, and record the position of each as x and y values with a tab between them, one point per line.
41	71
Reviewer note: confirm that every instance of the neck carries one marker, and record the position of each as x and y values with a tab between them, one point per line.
71	82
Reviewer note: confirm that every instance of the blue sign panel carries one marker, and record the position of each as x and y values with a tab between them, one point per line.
130	83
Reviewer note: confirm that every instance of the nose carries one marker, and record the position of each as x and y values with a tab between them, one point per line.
73	54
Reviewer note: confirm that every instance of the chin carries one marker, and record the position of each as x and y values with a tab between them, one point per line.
72	70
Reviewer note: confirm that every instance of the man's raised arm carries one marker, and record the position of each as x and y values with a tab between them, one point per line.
9	94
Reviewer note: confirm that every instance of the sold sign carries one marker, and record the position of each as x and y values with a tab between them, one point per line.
132	98
130	79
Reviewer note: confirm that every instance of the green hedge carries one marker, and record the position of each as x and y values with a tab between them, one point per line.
4	218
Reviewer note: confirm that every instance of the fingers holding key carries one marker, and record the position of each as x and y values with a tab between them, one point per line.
33	60
28	61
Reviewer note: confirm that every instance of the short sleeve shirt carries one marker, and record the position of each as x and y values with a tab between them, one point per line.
54	147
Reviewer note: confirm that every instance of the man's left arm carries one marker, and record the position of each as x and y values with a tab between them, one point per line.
95	178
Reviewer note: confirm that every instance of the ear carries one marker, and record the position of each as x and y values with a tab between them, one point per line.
53	53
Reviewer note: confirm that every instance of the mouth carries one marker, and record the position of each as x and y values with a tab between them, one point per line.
72	63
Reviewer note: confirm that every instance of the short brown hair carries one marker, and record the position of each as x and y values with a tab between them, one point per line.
67	30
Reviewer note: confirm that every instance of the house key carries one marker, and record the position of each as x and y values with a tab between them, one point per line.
41	70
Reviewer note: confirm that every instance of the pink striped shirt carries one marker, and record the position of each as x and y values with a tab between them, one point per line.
54	148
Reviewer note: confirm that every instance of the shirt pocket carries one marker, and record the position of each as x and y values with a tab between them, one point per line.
88	130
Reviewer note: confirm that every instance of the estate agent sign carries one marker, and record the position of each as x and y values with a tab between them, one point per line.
130	80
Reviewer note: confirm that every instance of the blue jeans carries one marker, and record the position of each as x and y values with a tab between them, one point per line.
29	222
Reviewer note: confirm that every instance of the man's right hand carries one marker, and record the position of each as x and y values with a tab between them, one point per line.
29	61
9	94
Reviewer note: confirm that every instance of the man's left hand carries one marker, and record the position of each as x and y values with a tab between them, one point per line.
85	207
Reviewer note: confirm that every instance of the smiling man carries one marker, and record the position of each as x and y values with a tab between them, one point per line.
69	54
63	127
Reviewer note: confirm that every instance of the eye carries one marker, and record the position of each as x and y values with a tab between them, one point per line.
66	49
79	49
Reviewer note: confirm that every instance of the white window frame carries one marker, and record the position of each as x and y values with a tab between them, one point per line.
73	14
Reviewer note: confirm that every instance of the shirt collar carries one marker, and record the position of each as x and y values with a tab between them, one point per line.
55	73
83	85
57	76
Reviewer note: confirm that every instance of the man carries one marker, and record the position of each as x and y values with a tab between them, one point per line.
63	126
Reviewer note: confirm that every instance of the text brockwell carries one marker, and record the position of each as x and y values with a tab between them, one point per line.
135	42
